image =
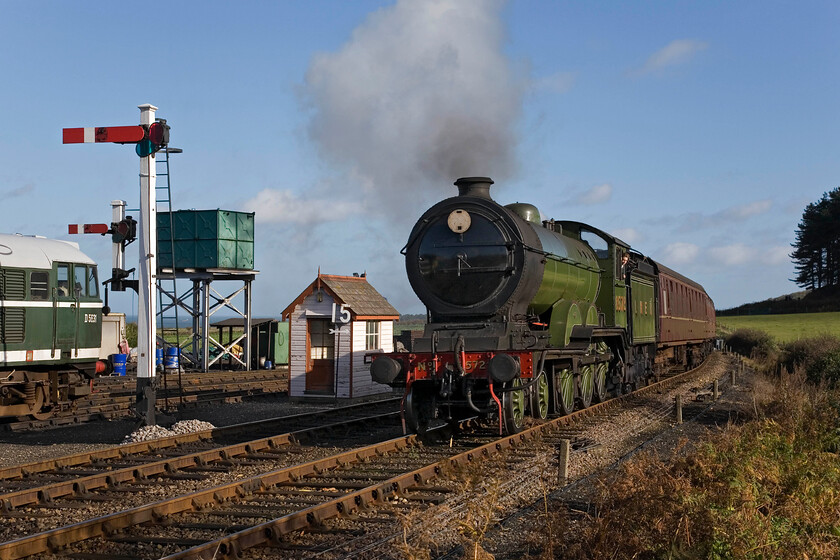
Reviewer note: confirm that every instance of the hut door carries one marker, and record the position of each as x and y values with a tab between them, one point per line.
320	373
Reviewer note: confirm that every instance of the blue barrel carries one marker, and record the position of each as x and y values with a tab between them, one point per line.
119	361
268	364
158	357
171	359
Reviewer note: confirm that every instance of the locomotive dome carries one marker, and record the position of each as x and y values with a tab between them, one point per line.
29	251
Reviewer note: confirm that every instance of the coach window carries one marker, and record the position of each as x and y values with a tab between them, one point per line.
63	278
39	285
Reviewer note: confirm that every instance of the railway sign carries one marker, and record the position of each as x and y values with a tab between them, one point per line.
93	134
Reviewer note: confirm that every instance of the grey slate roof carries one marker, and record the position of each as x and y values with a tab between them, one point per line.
359	296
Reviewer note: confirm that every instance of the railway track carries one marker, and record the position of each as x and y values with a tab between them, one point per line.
286	511
114	397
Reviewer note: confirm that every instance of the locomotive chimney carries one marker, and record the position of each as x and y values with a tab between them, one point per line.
474	186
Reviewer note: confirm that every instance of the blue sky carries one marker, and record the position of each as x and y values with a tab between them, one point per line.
696	131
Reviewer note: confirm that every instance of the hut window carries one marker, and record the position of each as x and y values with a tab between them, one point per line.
372	335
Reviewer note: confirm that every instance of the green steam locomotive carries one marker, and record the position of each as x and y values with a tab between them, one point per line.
532	317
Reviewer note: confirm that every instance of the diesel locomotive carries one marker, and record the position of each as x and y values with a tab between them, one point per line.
50	325
533	317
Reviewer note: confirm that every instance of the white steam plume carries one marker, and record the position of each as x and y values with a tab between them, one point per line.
421	94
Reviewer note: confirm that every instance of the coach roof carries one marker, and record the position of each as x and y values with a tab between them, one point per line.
28	251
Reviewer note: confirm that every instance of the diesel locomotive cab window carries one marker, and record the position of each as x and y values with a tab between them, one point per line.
464	268
63	277
39	285
80	284
92	283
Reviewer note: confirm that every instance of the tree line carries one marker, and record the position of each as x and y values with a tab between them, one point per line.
816	254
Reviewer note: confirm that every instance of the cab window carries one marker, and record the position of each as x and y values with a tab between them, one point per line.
80	280
63	280
92	283
598	244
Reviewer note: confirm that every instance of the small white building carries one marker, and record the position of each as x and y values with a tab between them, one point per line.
333	323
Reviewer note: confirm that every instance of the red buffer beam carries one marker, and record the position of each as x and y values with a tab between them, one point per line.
117	134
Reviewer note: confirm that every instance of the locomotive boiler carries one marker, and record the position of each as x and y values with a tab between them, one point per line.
532	317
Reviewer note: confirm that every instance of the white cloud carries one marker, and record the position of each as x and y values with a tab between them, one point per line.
285	206
732	255
20	191
679	253
777	255
674	53
561	82
628	235
595	195
740	254
747	210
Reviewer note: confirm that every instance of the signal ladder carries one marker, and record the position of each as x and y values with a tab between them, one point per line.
167	284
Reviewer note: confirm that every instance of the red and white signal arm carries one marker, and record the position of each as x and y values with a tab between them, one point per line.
87	228
92	134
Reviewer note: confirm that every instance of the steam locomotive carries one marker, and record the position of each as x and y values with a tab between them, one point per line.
50	325
531	317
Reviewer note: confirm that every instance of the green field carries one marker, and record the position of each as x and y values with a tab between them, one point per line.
785	328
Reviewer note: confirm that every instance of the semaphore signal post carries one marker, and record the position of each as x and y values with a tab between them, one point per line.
149	136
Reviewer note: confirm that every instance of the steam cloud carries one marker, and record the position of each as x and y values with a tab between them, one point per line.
421	94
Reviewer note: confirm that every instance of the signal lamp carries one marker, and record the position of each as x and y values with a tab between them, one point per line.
124	231
155	137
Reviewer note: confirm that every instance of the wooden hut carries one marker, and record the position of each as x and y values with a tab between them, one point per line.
333	323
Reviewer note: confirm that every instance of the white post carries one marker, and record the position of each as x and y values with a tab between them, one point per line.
117	215
147	302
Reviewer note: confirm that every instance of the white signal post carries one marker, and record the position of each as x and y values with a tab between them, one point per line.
147	301
147	235
117	215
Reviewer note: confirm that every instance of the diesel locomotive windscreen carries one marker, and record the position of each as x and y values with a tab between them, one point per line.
464	268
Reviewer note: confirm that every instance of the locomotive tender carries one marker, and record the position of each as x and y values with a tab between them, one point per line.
534	317
50	325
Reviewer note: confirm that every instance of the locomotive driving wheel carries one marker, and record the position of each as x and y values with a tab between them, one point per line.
513	408
564	390
418	410
539	397
601	368
587	385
